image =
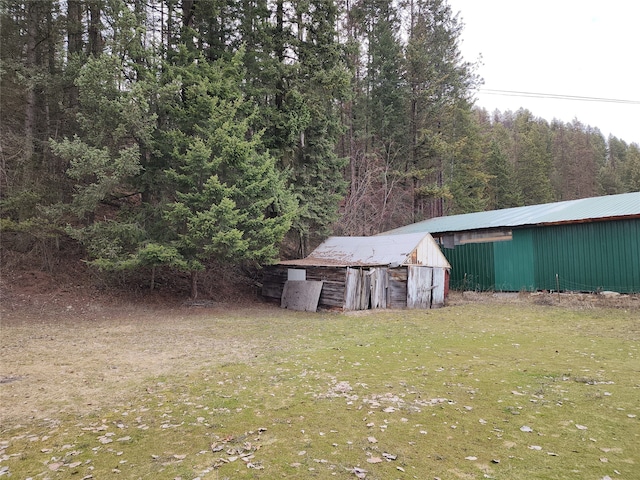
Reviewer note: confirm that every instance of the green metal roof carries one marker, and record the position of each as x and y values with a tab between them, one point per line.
626	205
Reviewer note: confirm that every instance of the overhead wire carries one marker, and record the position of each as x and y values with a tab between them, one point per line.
554	96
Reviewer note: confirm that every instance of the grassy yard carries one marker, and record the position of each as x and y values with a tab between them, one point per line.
471	391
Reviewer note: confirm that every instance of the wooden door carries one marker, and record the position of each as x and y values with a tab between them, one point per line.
419	286
379	287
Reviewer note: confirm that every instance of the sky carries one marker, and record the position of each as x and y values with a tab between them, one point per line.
579	48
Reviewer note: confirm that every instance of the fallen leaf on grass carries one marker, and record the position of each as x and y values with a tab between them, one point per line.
359	472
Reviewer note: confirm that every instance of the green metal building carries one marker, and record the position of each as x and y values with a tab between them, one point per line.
586	245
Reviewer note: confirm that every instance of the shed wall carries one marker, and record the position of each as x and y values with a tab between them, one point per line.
333	278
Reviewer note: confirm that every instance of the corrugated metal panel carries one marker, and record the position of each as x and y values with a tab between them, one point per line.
585	209
379	250
513	263
588	257
472	266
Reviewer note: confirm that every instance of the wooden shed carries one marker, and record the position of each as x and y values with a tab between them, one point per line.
359	273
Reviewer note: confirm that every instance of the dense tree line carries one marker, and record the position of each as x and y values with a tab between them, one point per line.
177	133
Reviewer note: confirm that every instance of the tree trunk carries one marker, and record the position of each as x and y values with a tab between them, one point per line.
194	285
152	284
95	30
74	26
30	63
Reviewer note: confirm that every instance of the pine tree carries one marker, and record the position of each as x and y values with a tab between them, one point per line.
632	168
440	81
230	203
503	191
533	164
322	82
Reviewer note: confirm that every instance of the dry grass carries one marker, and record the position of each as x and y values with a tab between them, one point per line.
505	387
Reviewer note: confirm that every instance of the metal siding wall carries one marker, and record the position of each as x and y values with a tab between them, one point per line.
514	263
588	256
472	266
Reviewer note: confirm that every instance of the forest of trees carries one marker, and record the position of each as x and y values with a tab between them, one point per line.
182	133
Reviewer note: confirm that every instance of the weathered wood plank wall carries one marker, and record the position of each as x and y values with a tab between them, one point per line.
419	287
370	287
275	276
398	287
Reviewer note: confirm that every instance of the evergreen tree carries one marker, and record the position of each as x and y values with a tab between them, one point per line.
533	158
180	181
375	141
115	125
440	81
229	202
464	166
576	161
322	82
632	169
502	189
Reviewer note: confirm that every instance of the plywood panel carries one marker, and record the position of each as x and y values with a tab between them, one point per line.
301	295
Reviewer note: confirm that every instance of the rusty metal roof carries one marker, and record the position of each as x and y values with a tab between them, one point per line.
626	205
379	250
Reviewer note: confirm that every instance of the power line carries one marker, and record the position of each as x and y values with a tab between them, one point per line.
554	96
